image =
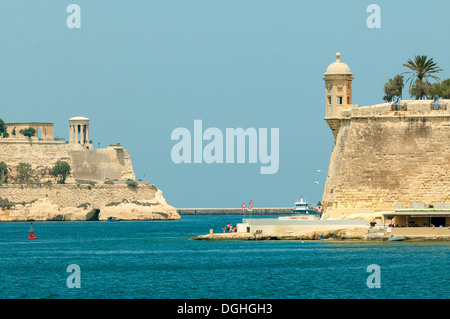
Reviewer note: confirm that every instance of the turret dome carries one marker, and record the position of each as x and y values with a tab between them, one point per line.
338	67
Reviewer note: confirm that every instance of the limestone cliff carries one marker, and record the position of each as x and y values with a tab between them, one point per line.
74	202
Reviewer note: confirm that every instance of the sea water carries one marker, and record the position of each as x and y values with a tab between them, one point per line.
156	259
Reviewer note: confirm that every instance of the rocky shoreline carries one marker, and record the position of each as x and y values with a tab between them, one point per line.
80	203
46	210
331	235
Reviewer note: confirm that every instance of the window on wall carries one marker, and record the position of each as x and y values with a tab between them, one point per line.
329	100
339	100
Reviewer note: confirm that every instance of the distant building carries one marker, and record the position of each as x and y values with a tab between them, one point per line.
44	131
43	150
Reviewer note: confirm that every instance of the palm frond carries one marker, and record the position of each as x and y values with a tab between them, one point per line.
422	68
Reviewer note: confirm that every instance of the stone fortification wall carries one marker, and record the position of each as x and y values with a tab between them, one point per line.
387	154
112	162
42	155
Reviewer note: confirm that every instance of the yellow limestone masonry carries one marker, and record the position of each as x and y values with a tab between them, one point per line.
383	154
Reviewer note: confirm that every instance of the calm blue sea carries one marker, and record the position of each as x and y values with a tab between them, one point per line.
156	260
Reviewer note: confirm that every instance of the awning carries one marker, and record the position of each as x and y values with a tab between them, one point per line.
417	213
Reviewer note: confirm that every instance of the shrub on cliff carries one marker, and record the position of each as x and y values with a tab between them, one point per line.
5	203
61	170
84	205
132	185
3	173
24	172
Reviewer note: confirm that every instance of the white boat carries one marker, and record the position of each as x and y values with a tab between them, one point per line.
396	238
304	210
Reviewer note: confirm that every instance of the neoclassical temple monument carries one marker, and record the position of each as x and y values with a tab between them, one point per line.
43	150
79	132
386	156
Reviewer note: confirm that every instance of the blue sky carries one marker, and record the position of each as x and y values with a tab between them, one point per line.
140	69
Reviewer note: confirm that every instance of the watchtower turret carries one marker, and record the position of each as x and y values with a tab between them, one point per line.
338	92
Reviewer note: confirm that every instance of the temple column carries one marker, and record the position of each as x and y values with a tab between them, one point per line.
87	134
70	134
76	133
82	136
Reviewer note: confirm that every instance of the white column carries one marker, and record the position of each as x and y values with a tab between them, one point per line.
87	134
82	136
76	133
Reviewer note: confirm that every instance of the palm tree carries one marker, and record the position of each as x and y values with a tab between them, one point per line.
422	69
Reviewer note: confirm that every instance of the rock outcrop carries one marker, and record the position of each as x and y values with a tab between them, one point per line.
152	209
75	203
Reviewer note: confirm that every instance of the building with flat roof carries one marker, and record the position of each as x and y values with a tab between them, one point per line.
418	221
44	131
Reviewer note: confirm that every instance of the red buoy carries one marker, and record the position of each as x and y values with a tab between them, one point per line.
32	235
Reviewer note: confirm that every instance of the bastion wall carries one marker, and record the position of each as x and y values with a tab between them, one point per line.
113	162
387	154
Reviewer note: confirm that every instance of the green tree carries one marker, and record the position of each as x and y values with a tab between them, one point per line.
3	172
443	90
393	88
61	170
434	91
2	126
421	68
28	132
24	172
420	90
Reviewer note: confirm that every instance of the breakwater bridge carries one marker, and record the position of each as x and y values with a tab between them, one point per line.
235	211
